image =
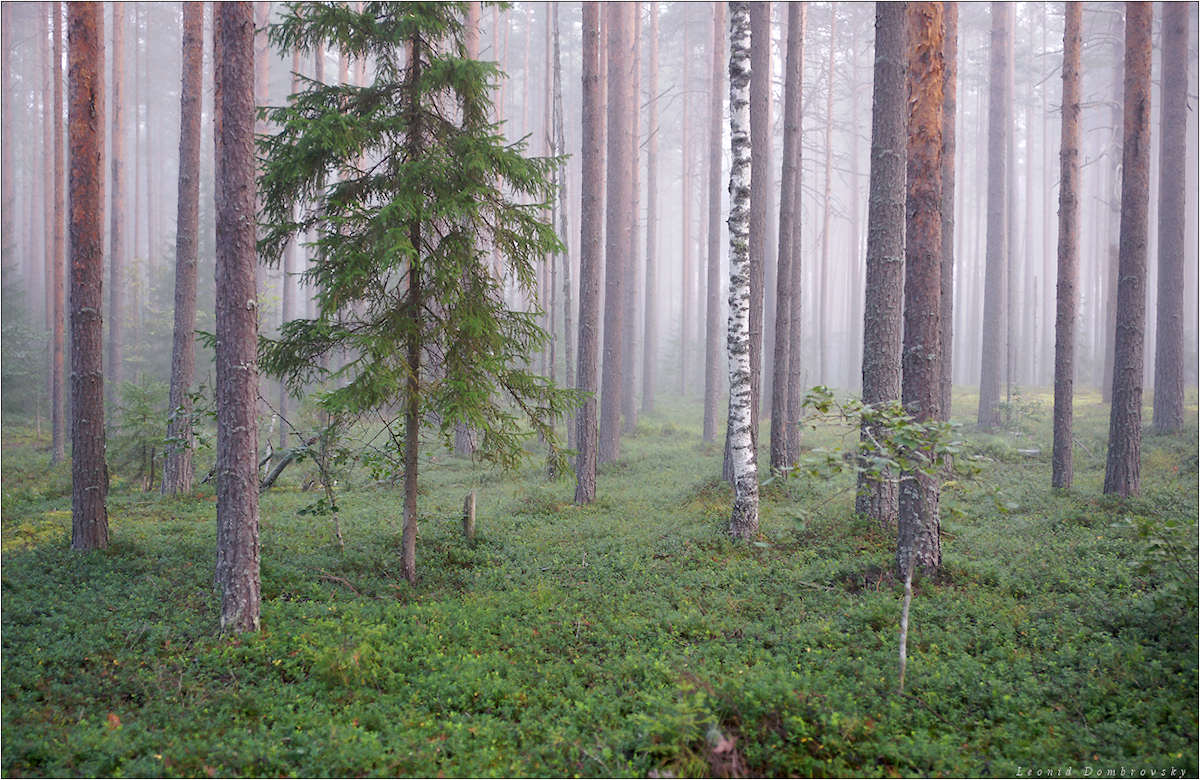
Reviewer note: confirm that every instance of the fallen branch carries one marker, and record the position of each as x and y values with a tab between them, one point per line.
286	461
339	580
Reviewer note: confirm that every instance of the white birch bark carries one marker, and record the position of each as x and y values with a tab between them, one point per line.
744	523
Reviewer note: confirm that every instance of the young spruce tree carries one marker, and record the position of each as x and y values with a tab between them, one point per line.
409	186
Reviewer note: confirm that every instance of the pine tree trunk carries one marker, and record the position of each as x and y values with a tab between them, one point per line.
685	189
795	382
822	298
650	329
1068	254
236	319
1123	469
291	286
629	406
49	185
564	223
1172	216
177	468
716	113
879	499
89	472
949	112
116	254
619	178
995	299
788	255
918	544
148	162
760	196
590	258
743	523
58	359
1113	199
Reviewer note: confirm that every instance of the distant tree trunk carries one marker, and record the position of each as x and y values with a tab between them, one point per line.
1123	469
619	181
716	113
89	472
291	269
629	407
7	206
879	499
744	522
1112	198
177	468
822	297
1068	253
464	445
1172	216
787	256
795	382
685	316
760	196
919	543
262	97
236	323
48	190
116	231
650	335
857	261
58	379
148	162
949	112
590	258
564	222
995	299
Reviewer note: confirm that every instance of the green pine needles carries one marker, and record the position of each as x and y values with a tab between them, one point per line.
408	186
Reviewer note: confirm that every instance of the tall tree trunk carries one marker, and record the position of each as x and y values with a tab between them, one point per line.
116	230
564	223
949	113
148	162
236	323
590	264
262	97
822	297
619	221
879	498
919	543
1172	216
1122	473
629	407
685	166
760	196
795	376
89	472
59	402
743	523
177	468
650	328
788	255
1112	198
995	299
291	270
1068	253
853	370
716	113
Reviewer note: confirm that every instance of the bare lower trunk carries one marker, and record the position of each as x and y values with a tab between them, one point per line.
89	472
629	368
949	110
59	343
716	113
650	329
116	252
795	385
1068	254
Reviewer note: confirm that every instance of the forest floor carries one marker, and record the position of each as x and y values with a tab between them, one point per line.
627	638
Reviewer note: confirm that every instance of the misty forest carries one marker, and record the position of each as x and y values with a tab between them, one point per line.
651	389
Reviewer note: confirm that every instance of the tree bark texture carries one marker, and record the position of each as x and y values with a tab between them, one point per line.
949	112
650	329
744	521
629	368
59	343
995	299
89	472
716	113
1172	217
619	220
116	230
1123	469
1068	254
919	542
882	324
236	318
177	468
788	254
760	196
822	297
590	258
795	382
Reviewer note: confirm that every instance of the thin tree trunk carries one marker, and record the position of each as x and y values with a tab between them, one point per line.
650	329
59	408
148	163
1172	216
879	498
949	113
685	317
1068	254
619	182
822	297
1122	473
760	196
564	222
919	544
89	472
716	113
291	269
590	258
1112	198
743	523
995	300
236	323
177	469
116	254
629	406
795	381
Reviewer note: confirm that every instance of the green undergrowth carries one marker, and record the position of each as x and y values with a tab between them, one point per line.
626	638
